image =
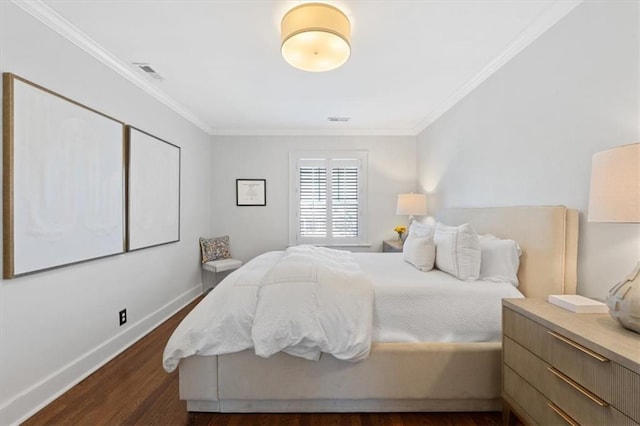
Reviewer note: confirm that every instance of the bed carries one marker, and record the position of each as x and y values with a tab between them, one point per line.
409	376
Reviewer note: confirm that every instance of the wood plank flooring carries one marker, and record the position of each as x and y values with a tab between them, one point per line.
133	389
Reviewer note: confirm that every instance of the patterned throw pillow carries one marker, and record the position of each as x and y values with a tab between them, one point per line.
214	248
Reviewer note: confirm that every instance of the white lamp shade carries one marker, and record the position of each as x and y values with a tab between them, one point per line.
412	204
615	185
315	37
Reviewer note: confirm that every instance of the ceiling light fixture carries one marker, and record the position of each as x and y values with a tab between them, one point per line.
315	37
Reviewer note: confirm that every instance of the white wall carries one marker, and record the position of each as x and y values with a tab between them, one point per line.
254	230
527	134
57	326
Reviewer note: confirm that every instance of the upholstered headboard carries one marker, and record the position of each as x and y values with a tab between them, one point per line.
547	235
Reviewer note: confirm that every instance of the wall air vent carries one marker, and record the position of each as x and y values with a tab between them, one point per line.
149	70
340	119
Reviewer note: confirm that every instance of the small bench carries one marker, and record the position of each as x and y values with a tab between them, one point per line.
220	265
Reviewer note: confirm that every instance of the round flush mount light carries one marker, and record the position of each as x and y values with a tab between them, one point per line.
315	37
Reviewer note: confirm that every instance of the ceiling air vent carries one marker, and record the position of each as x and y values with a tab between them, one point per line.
340	119
149	70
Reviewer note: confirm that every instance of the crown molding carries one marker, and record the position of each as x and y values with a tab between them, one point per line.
539	26
53	20
313	132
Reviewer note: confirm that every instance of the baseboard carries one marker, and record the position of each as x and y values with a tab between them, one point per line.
44	392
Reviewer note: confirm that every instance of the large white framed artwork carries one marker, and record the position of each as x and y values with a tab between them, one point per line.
63	189
153	194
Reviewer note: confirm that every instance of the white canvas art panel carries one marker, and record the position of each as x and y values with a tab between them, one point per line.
154	191
65	199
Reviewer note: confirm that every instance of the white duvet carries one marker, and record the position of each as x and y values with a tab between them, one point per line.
415	306
303	302
409	306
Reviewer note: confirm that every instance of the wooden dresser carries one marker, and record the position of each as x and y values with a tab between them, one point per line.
563	368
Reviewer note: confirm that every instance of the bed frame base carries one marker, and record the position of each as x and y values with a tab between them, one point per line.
345	405
397	377
199	406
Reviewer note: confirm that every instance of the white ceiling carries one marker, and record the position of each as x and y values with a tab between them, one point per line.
411	60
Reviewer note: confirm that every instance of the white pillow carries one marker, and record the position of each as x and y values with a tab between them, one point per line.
420	252
420	230
500	259
458	251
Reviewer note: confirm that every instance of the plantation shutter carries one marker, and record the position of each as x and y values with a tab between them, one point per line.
329	209
312	215
344	199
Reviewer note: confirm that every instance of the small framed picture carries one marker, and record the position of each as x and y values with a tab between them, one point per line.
251	192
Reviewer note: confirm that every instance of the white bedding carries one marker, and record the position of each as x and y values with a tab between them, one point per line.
314	300
302	302
415	306
409	306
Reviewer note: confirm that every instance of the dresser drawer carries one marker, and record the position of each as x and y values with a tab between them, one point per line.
582	404
608	380
531	401
573	399
527	333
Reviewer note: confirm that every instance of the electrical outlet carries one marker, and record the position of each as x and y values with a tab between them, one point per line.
123	316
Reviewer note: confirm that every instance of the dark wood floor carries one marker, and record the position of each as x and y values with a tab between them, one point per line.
134	389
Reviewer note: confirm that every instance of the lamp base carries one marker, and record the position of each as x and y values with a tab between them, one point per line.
624	301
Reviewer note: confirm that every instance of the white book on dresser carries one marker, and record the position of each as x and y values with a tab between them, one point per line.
578	304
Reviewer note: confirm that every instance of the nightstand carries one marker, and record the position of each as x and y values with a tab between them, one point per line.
560	367
392	246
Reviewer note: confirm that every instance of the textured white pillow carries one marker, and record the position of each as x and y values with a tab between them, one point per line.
420	252
458	251
500	259
420	230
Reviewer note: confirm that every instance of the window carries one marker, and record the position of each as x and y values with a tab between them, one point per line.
328	198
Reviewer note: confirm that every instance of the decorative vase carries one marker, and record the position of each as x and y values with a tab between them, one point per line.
624	301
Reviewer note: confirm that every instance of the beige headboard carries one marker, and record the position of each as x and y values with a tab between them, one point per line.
547	235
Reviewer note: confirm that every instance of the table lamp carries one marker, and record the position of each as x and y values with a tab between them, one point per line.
412	205
614	197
